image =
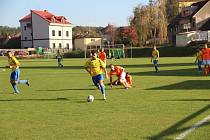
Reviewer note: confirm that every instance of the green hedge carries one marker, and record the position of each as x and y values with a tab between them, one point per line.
164	52
75	54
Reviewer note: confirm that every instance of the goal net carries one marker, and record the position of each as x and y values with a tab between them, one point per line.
116	51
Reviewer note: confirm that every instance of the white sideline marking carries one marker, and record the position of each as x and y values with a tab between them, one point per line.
198	124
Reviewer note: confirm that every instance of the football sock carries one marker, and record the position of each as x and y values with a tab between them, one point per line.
22	81
15	88
156	68
103	90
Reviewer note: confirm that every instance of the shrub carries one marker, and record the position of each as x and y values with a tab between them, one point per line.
75	54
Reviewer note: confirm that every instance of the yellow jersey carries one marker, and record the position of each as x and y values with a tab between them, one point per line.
155	54
13	63
96	66
199	56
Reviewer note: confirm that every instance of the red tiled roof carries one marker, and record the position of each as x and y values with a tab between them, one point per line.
49	17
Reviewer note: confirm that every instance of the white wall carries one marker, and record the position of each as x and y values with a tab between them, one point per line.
26	36
63	39
40	27
184	39
27	32
79	43
42	33
63	43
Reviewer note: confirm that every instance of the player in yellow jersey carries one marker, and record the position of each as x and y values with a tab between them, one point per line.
155	58
95	67
199	59
59	57
14	64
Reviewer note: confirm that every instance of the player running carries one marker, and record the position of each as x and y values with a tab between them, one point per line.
102	55
59	57
95	67
120	73
206	59
14	64
199	60
155	58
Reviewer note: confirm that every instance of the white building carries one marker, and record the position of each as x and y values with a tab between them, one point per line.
43	29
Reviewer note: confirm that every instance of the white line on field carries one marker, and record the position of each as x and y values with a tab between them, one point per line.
198	124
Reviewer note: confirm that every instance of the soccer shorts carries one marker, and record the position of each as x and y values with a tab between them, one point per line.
15	75
155	62
122	76
97	78
206	62
200	62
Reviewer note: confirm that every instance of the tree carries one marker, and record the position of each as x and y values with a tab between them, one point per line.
128	35
172	9
151	22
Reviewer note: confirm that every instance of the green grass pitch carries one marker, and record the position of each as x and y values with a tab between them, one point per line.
159	106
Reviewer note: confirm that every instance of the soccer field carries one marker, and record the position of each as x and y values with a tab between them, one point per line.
160	105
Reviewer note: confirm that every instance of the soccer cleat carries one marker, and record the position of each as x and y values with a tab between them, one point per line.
28	83
104	97
15	93
126	88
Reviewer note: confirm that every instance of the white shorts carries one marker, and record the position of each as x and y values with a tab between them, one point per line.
122	76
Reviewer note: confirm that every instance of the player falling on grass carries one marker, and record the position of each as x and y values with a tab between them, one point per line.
102	55
14	64
59	57
129	79
199	60
155	58
206	59
120	73
95	67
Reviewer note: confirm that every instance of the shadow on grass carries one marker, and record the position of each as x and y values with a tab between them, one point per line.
175	72
189	100
186	85
175	128
52	90
160	65
126	66
50	67
56	99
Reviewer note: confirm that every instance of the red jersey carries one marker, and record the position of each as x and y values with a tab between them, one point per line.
102	56
117	71
206	54
129	79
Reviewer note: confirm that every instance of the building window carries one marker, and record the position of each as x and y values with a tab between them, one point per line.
67	45
59	33
53	32
25	38
93	40
67	33
53	45
24	27
59	45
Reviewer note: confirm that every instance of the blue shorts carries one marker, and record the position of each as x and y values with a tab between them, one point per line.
206	62
97	78
155	62
15	75
200	62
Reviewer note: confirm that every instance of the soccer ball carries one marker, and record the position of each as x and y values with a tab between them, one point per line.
90	98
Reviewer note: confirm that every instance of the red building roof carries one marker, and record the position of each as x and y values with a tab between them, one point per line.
49	17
